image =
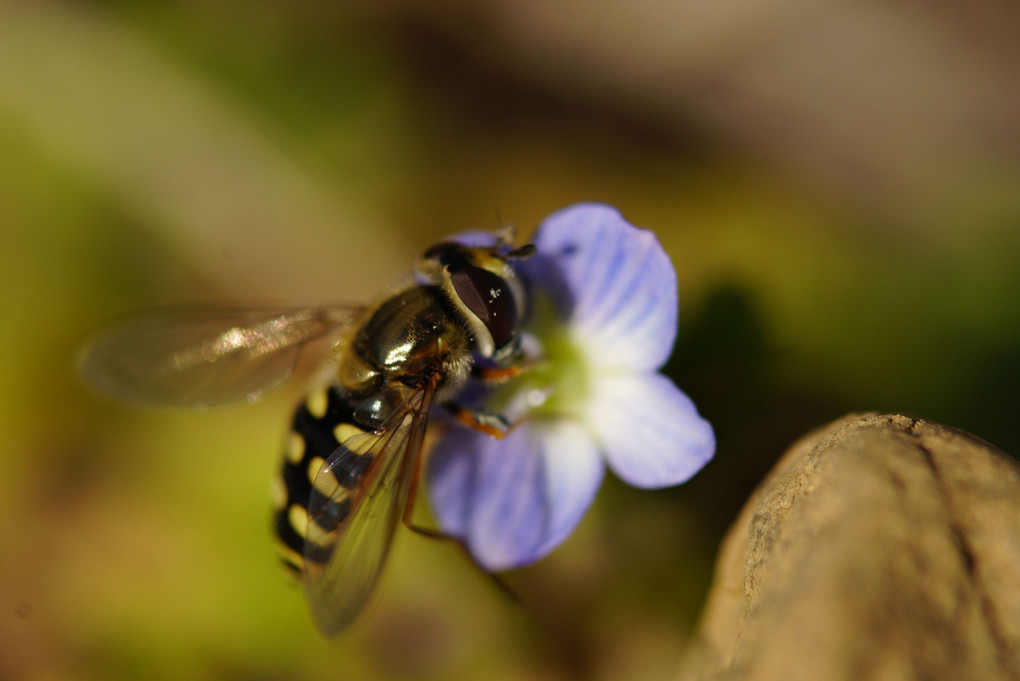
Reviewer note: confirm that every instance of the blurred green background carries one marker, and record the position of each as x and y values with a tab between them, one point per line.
837	184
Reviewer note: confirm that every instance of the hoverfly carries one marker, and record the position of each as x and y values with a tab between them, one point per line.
353	458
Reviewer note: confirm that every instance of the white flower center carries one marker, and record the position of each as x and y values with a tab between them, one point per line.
557	383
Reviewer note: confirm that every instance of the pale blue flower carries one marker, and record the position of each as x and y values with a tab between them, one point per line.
603	300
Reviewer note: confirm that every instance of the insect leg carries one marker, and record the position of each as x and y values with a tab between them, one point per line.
493	425
499	374
438	535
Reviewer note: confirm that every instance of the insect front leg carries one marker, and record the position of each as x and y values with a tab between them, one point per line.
496	375
492	424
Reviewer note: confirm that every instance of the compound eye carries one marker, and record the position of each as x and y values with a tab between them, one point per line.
489	297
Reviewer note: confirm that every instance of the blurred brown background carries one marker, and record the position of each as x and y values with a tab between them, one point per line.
837	184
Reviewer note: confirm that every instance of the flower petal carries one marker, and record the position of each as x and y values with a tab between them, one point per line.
650	432
474	237
514	500
612	281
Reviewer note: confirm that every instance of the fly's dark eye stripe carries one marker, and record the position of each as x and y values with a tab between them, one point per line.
489	298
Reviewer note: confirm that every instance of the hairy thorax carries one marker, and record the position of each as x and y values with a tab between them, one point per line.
409	338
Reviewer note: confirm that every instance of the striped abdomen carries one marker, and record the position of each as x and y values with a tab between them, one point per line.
320	425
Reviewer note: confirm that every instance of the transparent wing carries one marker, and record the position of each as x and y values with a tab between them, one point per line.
358	499
204	357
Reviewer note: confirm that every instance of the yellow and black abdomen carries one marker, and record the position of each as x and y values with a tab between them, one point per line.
408	347
319	426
